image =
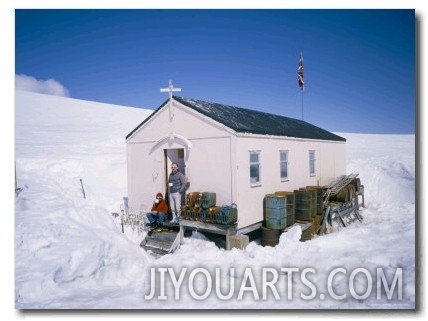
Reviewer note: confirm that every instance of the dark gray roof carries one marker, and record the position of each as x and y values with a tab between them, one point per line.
244	120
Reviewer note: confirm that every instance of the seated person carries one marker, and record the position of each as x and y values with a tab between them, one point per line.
158	212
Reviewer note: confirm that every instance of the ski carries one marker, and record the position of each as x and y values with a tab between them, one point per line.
153	229
163	227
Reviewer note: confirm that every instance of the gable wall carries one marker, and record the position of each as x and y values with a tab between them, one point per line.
208	165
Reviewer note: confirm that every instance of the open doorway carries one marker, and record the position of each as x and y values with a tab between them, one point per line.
174	155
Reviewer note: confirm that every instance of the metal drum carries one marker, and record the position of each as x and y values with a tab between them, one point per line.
303	205
289	204
319	198
270	237
276	211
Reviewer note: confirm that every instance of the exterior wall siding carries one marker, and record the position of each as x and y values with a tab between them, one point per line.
218	161
330	163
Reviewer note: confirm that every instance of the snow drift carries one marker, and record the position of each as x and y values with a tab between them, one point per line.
70	252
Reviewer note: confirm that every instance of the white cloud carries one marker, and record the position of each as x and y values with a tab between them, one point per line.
49	87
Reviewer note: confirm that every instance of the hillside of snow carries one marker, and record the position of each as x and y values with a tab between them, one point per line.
70	252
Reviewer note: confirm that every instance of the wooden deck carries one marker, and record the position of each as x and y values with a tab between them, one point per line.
226	230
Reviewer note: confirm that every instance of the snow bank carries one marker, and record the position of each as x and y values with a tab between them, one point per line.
70	252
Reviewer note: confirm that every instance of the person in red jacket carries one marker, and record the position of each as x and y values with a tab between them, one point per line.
159	211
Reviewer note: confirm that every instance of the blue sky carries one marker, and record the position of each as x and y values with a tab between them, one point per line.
359	65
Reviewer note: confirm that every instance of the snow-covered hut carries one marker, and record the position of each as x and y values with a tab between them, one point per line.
239	154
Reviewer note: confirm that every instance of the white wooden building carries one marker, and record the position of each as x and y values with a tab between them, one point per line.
239	154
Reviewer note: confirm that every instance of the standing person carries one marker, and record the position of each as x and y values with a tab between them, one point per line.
177	185
159	211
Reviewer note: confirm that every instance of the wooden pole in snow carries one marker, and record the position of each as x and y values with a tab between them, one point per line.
83	190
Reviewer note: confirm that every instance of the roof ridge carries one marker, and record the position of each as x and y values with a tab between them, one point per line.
244	120
237	107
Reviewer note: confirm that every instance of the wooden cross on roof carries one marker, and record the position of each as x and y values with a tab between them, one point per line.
170	89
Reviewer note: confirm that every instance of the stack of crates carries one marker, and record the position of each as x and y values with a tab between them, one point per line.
228	215
210	215
202	207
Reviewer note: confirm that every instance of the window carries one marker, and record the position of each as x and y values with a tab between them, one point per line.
312	163
283	160
255	168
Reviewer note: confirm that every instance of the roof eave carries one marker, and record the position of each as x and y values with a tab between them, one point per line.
145	120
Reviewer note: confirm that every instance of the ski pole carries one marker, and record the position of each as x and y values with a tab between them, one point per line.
83	190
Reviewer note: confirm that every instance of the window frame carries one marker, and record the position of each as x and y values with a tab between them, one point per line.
287	177
259	166
312	162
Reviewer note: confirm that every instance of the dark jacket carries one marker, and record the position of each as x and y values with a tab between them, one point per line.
178	182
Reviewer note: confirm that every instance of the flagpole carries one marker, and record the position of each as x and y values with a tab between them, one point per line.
300	78
303	86
303	118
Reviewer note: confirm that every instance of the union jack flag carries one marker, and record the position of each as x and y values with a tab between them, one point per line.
300	73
